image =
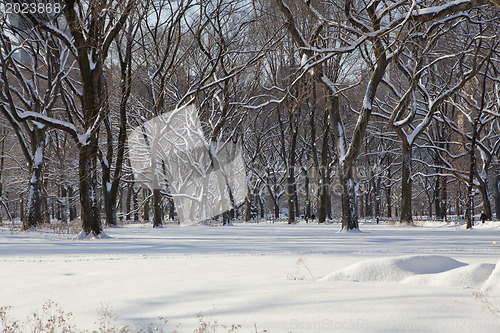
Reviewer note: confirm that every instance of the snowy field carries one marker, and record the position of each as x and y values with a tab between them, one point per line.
264	277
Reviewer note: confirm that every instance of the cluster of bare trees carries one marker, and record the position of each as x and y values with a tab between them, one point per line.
343	108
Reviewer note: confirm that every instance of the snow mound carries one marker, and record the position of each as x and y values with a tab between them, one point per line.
84	236
492	285
470	276
394	269
341	230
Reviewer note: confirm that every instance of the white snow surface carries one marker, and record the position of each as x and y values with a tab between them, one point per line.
394	269
276	277
492	285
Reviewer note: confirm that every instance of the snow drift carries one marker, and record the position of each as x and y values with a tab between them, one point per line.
394	269
470	276
492	285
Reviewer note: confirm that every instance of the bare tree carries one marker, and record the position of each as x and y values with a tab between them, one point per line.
373	31
92	28
125	43
33	65
433	69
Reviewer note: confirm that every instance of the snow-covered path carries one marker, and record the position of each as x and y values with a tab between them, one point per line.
269	275
262	238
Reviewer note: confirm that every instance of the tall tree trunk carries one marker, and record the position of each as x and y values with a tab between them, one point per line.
469	215
469	207
329	205
157	208
171	209
34	214
444	198
274	201
135	199
248	208
322	198
112	184
145	193
388	195
296	200
377	183
349	198
483	190
45	204
109	205
89	194
361	205
128	201
72	207
368	210
64	205
109	199
406	184
324	175
92	46
290	195
21	209
469	212
307	212
261	205
388	202
437	196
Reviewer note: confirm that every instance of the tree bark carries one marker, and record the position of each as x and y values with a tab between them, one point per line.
388	196
111	184
135	199
128	201
157	208
345	168
64	204
437	196
483	190
145	193
34	214
444	198
322	199
296	200
171	209
92	38
109	204
72	207
248	207
274	200
290	186
89	194
349	198
21	209
307	213
376	193
469	215
361	207
406	185
323	173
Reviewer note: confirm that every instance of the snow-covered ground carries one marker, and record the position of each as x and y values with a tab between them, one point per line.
281	278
